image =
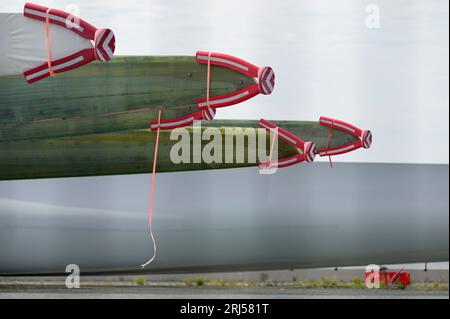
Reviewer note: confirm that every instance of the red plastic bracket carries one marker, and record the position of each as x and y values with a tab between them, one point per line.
365	137
308	148
104	42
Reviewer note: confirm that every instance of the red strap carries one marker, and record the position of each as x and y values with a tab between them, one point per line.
285	135
340	149
341	125
177	122
227	61
60	18
62	65
308	148
229	99
283	162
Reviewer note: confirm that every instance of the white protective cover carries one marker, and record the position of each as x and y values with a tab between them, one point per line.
23	45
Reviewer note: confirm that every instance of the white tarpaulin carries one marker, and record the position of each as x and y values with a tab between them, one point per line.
23	45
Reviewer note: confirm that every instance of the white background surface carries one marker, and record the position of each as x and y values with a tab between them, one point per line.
393	80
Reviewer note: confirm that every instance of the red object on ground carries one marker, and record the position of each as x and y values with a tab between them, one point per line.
207	106
393	277
103	49
365	137
308	148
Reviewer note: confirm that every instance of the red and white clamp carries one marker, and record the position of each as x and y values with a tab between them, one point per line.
265	76
103	49
207	106
308	148
365	137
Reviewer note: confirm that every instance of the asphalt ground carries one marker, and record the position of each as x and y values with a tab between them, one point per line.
39	292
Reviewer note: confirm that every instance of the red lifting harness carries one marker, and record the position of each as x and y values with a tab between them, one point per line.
365	137
103	50
308	148
207	106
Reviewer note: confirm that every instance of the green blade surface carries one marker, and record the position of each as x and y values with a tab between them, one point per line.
105	97
131	151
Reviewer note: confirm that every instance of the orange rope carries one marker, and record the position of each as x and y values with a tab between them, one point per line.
330	134
275	133
208	79
48	43
152	194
